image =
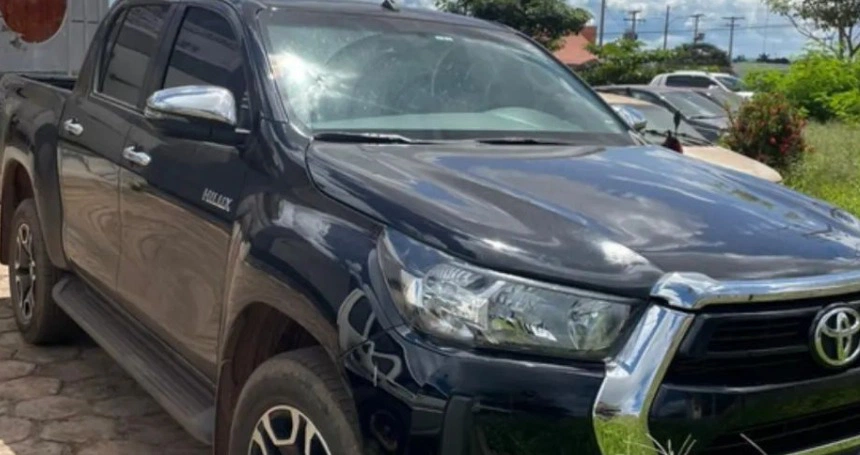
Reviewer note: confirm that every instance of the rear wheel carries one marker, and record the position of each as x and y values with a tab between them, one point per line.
31	280
295	403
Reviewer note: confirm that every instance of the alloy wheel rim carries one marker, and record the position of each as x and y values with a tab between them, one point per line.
25	272
284	430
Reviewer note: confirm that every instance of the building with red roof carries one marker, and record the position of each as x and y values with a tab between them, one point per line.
574	52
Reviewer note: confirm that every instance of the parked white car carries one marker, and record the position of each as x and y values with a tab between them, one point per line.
702	79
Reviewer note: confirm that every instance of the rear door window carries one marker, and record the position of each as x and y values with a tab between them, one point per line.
701	82
678	81
136	43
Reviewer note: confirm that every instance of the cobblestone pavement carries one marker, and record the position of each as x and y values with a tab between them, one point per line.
75	400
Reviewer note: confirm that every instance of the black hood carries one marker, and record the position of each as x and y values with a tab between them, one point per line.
612	219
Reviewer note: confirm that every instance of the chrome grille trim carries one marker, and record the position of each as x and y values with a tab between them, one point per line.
634	376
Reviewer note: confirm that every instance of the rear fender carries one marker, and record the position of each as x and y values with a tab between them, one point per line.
33	154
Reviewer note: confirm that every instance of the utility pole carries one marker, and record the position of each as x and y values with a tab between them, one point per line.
602	21
766	27
732	20
633	19
666	29
696	18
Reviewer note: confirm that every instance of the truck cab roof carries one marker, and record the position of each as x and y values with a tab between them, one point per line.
376	8
366	8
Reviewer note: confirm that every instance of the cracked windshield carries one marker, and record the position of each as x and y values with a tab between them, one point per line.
439	81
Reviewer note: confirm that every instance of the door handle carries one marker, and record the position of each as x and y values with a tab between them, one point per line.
73	127
133	155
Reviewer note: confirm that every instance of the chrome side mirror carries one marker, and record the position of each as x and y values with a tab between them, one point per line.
194	104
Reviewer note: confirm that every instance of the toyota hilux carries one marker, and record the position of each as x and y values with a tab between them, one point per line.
322	227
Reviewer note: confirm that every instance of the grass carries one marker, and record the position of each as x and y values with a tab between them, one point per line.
832	172
744	68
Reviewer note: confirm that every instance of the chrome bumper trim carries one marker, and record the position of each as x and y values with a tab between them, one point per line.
620	415
693	290
633	377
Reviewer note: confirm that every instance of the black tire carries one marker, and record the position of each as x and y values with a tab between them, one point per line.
304	380
41	321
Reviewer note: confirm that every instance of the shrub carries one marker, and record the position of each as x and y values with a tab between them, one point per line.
811	82
846	106
769	129
765	80
820	85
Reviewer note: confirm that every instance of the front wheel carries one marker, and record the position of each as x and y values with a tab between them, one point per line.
295	403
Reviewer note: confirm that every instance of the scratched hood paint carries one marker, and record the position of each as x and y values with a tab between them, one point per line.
610	219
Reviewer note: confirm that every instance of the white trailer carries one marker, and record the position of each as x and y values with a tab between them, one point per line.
60	55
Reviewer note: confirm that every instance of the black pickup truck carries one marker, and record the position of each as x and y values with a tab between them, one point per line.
319	227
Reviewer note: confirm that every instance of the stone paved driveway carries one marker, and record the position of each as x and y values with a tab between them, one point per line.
75	400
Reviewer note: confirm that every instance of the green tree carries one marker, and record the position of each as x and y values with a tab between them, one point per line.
626	61
833	25
547	21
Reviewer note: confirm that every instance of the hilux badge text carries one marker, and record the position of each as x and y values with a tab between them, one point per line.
218	200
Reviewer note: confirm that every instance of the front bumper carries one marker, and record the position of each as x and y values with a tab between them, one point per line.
417	398
635	402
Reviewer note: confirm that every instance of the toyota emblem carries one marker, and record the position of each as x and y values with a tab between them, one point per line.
836	336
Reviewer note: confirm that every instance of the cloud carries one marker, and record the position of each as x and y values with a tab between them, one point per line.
671	41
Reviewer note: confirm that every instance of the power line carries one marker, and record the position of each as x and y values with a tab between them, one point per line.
705	30
732	20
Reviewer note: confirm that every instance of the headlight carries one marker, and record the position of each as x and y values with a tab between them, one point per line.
451	300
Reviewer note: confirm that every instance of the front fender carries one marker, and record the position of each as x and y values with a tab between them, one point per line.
281	257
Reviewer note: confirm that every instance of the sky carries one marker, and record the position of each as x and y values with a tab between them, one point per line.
759	32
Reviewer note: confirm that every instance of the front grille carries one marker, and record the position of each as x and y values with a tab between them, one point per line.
759	334
789	435
763	344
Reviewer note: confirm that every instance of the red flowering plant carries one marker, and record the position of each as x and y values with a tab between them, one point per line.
769	129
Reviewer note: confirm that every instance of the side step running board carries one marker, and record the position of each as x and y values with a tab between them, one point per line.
184	394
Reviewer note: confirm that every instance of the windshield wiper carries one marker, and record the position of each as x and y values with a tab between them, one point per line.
693	140
521	141
364	138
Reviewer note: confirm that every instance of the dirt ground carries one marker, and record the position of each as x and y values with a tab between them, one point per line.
75	400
